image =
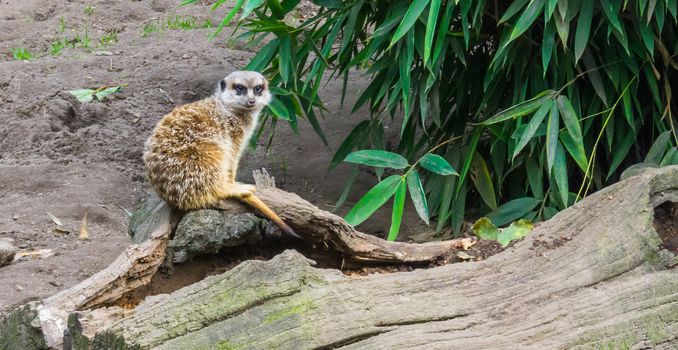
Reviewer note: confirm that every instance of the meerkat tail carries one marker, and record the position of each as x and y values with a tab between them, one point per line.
256	203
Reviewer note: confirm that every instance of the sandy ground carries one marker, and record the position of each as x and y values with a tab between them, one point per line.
62	157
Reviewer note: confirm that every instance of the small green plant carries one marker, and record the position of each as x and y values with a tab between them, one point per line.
397	185
56	47
80	41
88	10
87	95
149	28
108	39
62	25
485	229
186	23
21	54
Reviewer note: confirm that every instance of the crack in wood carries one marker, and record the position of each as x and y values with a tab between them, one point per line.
351	340
420	320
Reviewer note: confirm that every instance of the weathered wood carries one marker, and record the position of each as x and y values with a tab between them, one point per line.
594	276
133	268
209	230
326	229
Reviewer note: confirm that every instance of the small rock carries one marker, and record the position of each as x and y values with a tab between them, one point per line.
103	53
19	287
186	56
7	251
15	217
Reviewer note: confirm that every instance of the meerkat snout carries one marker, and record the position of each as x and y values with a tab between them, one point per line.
246	90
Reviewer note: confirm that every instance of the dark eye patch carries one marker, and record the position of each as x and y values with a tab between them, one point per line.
239	89
258	89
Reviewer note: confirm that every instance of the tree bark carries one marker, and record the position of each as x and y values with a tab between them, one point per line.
597	275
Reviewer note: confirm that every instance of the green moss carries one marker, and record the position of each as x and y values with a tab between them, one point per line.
78	341
19	331
110	341
294	310
627	334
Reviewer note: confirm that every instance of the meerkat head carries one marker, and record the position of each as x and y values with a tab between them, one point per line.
244	91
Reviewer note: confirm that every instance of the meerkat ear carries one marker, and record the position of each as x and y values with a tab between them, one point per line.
222	85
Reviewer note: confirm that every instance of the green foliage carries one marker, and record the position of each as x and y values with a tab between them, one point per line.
87	95
485	229
545	100
175	22
150	28
21	54
88	10
397	185
108	39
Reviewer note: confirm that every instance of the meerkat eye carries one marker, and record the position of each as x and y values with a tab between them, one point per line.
239	89
258	89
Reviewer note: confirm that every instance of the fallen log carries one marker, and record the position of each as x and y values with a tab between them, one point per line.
597	275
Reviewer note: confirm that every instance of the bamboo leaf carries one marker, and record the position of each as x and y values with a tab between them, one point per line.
536	120
560	174
413	13
620	152
574	130
437	164
547	45
229	16
512	10
562	27
390	23
526	19
594	77
373	200
445	202
521	109
249	7
378	158
535	176
658	149
671	157
405	63
550	7
483	181
430	28
552	136
397	213
418	195
581	37
512	210
285	59
264	56
278	109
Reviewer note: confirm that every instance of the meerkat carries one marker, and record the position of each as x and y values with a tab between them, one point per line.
193	153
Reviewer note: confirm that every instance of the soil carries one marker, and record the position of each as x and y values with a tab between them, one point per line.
62	157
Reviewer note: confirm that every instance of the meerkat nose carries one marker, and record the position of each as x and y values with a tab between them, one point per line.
251	102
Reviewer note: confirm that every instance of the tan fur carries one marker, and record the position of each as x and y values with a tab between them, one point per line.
193	153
